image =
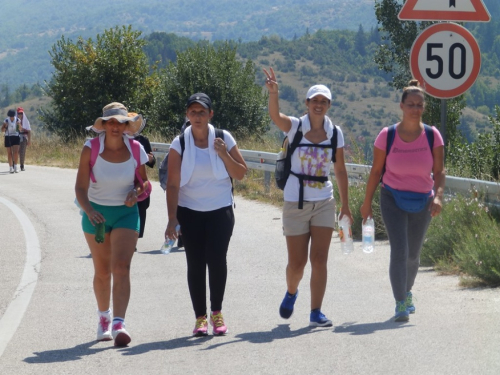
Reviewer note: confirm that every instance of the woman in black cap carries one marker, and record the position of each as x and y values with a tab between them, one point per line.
201	164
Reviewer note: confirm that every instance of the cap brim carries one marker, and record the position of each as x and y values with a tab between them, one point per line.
135	124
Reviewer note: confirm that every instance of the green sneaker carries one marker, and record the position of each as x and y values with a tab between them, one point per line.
410	307
402	314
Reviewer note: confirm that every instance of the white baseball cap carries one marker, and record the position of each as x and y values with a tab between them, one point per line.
319	90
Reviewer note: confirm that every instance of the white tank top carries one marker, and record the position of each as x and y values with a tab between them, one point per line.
113	181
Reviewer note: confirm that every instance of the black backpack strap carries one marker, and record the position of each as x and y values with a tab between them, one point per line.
183	143
391	133
333	141
430	136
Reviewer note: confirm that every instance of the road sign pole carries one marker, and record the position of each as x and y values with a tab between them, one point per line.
443	119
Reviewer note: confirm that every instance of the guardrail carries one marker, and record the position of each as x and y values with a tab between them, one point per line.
266	162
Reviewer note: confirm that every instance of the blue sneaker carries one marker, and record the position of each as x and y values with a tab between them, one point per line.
410	307
402	314
286	308
318	319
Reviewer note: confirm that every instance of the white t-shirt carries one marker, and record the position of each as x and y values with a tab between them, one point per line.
11	126
204	192
313	161
113	180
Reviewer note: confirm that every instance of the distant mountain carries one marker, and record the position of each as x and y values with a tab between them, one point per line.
30	27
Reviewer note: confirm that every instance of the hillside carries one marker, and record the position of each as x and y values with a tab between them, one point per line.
28	35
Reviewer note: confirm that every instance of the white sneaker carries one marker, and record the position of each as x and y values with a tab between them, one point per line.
103	328
15	169
11	170
120	334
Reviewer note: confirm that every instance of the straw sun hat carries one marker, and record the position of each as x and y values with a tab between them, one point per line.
120	113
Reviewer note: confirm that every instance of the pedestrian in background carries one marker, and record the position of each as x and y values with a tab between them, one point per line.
24	135
11	139
144	204
411	193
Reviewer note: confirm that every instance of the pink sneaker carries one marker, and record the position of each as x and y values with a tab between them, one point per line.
217	322
201	326
103	328
120	334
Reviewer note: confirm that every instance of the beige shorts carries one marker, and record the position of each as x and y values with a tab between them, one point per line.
314	214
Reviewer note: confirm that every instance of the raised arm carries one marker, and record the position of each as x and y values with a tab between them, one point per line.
282	121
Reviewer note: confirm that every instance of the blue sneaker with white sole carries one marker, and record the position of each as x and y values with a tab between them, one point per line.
286	307
318	319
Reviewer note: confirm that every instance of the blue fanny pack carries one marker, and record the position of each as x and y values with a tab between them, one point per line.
409	201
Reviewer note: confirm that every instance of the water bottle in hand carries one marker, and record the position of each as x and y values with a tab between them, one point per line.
345	234
100	230
167	246
368	230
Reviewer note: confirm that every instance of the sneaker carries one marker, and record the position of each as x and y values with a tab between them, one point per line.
120	334
318	319
103	328
201	326
22	168
286	308
217	322
15	169
11	170
410	307
402	314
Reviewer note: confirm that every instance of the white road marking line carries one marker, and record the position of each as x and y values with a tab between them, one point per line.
15	311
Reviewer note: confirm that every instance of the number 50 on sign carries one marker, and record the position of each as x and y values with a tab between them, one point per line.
445	58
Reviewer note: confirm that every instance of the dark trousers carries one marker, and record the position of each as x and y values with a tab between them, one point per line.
406	233
206	238
143	206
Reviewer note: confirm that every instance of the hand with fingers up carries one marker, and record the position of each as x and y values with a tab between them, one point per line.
271	82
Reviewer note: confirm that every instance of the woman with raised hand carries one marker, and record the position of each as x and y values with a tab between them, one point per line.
412	186
309	209
201	164
107	193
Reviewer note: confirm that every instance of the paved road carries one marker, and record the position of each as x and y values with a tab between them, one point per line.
454	331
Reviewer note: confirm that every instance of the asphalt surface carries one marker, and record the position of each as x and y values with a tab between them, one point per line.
51	328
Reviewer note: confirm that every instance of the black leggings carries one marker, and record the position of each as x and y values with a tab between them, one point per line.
142	207
206	238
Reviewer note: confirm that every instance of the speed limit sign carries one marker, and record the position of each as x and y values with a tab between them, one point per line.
445	58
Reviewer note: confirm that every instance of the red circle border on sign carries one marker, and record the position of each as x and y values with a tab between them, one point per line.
415	50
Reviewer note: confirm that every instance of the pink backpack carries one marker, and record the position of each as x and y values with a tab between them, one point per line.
136	152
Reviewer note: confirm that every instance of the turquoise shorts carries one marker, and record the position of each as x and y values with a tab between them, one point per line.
115	216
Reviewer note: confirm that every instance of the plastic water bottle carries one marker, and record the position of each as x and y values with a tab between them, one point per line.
100	229
167	246
368	230
345	234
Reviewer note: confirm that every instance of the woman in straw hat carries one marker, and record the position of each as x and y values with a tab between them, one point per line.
111	200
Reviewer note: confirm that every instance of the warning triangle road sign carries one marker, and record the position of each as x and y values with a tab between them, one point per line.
445	10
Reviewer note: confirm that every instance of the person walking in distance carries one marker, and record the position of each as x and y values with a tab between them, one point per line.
24	135
411	193
200	200
11	139
309	209
107	194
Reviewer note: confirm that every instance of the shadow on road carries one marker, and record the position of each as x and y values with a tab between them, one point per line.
175	249
180	342
66	355
369	328
282	331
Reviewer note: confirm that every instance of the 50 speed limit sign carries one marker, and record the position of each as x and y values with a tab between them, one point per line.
445	58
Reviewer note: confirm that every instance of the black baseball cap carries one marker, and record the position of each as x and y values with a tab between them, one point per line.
200	98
